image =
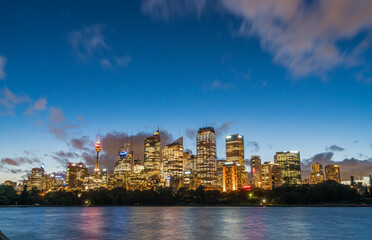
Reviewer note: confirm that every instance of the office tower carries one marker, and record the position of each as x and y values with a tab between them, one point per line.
123	167
152	161
37	179
220	164
206	157
256	172
173	162
271	175
316	175
290	165
75	174
10	183
235	154
230	177
189	162
97	148
332	172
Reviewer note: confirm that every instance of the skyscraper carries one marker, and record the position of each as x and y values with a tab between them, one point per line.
332	172
235	154
271	175
123	167
75	174
37	179
206	163
316	175
230	177
173	160
256	172
152	161
289	163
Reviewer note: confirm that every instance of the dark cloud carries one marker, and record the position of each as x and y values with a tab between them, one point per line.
65	157
19	161
58	124
225	127
82	143
191	133
334	148
253	146
348	166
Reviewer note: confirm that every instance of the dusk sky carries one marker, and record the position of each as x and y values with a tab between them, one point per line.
287	75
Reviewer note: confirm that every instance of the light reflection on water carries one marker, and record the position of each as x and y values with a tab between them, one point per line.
186	223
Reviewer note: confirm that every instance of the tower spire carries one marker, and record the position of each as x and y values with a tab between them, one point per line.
97	149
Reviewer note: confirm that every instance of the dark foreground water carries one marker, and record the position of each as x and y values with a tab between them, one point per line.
186	223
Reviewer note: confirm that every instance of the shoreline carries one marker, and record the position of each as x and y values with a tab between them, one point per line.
206	205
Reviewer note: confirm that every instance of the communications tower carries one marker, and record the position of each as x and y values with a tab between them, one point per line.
98	149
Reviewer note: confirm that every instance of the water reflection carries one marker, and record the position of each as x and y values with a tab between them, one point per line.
185	223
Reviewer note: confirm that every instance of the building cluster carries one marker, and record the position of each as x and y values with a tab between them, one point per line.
173	167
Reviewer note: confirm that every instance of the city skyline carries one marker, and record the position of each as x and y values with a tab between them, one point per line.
68	76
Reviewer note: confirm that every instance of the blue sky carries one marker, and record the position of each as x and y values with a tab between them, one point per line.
286	75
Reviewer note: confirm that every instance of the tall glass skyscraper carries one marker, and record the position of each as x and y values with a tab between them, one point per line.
206	162
256	171
332	172
316	175
152	160
289	163
235	154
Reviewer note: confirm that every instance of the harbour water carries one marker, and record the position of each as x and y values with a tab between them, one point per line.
26	223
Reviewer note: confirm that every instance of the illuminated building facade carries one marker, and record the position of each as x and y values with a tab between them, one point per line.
97	148
37	179
173	162
10	183
271	175
206	157
316	175
152	161
290	165
256	172
189	161
332	172
123	167
220	164
230	177
235	154
75	174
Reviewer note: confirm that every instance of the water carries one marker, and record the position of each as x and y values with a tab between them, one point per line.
186	223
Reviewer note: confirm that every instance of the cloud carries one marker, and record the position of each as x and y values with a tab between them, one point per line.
191	133
3	62
106	64
65	157
225	127
58	124
348	166
334	148
253	145
19	161
88	41
37	106
167	9
81	143
123	61
302	36
9	100
218	85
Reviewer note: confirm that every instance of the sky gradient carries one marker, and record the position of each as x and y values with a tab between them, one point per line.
287	75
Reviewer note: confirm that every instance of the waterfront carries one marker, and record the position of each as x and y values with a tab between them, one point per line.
186	223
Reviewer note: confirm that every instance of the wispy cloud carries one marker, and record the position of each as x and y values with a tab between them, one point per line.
302	36
334	148
38	105
167	9
217	84
3	61
58	124
88	41
253	146
19	161
9	100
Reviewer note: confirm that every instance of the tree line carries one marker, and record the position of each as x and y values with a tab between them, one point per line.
326	192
